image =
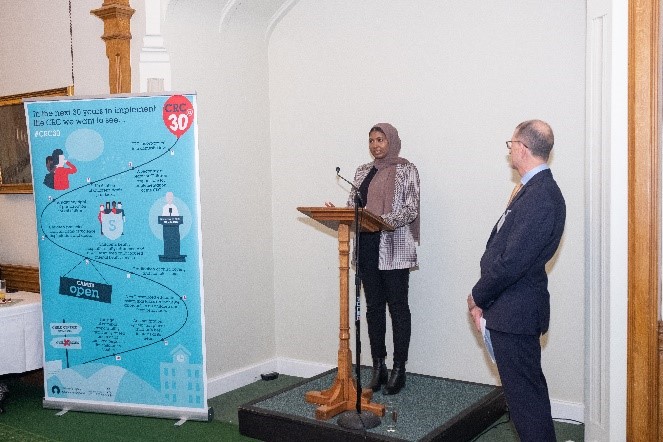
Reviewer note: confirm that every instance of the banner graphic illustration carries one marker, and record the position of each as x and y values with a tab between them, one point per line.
118	221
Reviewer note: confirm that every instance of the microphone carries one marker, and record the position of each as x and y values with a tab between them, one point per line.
170	211
357	193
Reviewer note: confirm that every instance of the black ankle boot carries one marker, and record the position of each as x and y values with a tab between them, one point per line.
379	375
396	380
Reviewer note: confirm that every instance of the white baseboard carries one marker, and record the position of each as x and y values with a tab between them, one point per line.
567	411
561	410
239	378
302	369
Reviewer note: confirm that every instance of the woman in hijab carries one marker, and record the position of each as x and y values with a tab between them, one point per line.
389	187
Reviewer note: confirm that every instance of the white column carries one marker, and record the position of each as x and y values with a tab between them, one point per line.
606	205
154	59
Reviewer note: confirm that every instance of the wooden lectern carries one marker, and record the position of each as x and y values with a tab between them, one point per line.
342	395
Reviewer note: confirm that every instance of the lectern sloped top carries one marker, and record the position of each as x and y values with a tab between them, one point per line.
333	216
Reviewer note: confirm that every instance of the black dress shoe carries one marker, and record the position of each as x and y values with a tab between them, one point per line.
396	380
379	375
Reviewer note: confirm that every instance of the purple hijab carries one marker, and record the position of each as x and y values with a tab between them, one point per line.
382	188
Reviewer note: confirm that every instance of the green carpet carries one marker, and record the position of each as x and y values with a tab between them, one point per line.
8	433
225	406
504	431
26	421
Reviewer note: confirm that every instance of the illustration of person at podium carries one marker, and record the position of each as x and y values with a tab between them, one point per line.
388	187
170	219
169	209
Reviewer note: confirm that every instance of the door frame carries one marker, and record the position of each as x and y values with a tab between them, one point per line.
644	207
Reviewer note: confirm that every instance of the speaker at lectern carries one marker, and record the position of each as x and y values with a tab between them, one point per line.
171	239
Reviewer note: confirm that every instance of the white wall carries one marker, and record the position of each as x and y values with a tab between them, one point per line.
35	46
618	303
228	70
455	78
234	148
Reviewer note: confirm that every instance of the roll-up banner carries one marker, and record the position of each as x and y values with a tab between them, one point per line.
118	222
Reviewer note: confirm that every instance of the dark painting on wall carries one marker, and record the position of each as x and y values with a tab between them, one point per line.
15	172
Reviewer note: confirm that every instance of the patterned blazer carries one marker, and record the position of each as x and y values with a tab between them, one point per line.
397	249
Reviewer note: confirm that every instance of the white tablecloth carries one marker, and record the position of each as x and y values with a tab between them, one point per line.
21	347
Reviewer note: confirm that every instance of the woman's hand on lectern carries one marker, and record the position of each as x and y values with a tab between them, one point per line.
329	204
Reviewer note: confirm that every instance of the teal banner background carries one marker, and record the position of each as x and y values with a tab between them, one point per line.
105	171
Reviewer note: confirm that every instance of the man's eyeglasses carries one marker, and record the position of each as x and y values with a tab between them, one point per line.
509	143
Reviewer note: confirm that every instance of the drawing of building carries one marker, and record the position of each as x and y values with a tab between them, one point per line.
181	382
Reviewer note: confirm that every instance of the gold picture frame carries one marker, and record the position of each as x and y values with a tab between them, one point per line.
15	168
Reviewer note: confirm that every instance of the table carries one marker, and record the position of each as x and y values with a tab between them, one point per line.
21	332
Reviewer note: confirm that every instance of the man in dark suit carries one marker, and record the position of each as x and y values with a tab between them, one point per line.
512	292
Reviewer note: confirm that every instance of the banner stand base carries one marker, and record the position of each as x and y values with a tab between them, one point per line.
181	414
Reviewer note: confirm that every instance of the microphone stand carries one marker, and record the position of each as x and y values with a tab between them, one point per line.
358	420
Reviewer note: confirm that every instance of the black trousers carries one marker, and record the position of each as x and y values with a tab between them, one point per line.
518	360
384	288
